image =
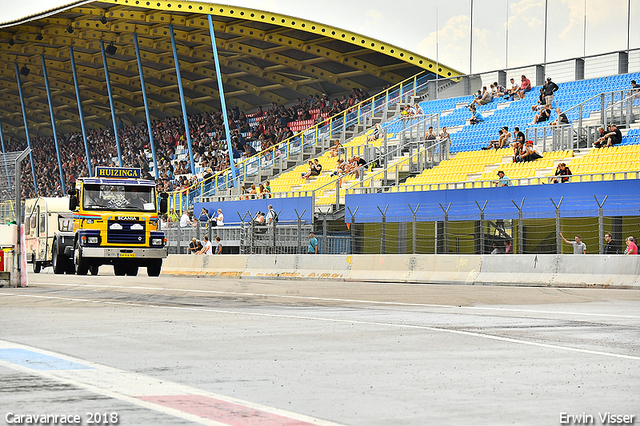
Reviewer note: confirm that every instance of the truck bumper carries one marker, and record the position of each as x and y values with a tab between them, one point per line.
124	252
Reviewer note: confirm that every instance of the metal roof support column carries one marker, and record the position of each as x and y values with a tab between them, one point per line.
6	168
113	110
182	102
53	123
146	109
26	128
84	132
222	101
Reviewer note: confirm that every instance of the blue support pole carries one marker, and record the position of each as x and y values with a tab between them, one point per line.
184	105
4	152
146	106
26	128
222	101
53	123
113	110
84	132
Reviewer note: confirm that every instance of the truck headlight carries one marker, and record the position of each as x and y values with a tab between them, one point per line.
156	241
92	240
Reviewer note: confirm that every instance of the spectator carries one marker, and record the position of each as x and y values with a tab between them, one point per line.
513	90
272	216
340	168
525	86
313	244
186	220
204	215
611	247
430	136
218	249
601	141
495	250
508	247
635	88
500	90
335	149
194	246
206	246
260	219
549	89
541	101
632	247
518	136
518	151
359	163
484	99
561	118
444	136
494	144
310	170
562	174
532	152
418	108
262	192
219	218
543	115
578	246
378	133
503	181
476	117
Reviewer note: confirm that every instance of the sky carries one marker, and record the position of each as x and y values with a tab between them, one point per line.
412	25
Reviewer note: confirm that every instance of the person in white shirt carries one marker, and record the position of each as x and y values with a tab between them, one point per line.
206	246
220	218
185	220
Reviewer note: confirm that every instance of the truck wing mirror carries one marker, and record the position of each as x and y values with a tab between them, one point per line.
73	199
164	204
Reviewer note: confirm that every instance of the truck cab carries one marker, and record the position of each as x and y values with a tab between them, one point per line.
115	222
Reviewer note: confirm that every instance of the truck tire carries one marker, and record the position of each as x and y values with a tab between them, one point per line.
154	267
119	269
132	270
93	269
37	266
82	266
58	262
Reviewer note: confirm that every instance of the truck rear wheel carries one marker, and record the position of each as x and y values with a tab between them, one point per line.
132	270
82	266
58	262
119	269
154	267
93	269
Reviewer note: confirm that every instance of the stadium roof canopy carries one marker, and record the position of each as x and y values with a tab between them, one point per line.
264	57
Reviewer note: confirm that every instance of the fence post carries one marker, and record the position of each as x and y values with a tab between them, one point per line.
273	229
243	248
446	227
482	225
252	233
352	227
601	223
299	229
520	226
324	234
383	240
414	231
558	242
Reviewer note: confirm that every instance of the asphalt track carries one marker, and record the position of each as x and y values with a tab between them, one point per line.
186	350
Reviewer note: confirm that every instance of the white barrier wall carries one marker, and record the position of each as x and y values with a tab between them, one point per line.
531	270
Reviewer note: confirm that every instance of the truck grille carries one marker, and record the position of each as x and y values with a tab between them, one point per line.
124	234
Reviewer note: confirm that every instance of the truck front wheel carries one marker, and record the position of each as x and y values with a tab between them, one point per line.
82	266
58	261
154	267
120	269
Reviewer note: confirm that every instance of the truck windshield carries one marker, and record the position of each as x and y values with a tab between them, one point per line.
119	197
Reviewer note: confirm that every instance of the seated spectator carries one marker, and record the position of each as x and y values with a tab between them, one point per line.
408	112
549	89
541	101
335	149
503	181
260	219
561	118
525	86
562	174
359	163
476	117
513	90
500	90
518	152
318	167
494	144
310	169
531	152
600	142
543	115
378	133
484	99
508	247
518	136
186	220
610	139
262	192
194	246
253	192
476	98
206	246
340	168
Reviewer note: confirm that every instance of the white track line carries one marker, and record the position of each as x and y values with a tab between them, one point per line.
330	299
127	386
343	321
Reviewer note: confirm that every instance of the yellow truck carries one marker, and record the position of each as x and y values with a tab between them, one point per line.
115	222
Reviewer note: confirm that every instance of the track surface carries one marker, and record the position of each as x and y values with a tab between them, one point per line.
186	350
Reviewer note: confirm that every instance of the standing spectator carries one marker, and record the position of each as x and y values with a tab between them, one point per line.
525	86
508	247
272	216
219	218
313	244
444	136
504	180
632	248
206	246
218	249
612	246
635	88
549	89
204	215
430	136
578	246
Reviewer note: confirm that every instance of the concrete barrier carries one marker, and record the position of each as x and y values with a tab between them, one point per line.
531	270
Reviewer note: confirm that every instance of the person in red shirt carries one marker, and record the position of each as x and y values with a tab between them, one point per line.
632	248
525	86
